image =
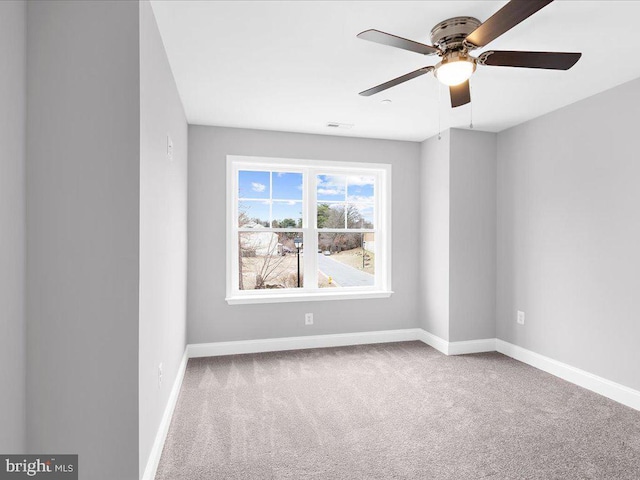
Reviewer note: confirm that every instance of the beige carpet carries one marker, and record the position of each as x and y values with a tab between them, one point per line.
392	411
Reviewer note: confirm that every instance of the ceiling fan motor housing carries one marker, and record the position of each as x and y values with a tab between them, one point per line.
450	34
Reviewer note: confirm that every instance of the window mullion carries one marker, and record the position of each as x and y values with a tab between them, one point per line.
380	219
346	205
270	199
310	238
232	251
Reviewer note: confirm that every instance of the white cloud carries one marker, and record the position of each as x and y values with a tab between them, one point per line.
351	180
359	180
336	181
258	187
360	199
330	191
336	184
331	186
364	209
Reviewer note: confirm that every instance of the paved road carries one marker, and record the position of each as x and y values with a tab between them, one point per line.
342	274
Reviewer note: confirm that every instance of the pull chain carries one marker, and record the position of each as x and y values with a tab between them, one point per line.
439	111
470	109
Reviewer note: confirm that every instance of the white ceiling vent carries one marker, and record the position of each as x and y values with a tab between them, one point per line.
344	126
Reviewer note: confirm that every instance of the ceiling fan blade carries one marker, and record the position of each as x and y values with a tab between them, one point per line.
505	19
548	60
460	94
394	41
396	81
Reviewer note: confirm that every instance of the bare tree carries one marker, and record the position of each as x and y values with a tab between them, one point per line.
242	220
268	267
267	260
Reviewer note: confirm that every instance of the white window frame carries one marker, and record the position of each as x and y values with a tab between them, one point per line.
310	169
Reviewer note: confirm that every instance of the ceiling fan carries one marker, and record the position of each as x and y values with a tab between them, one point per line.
454	38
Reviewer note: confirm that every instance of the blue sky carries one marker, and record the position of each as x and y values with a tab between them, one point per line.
253	184
256	209
286	198
286	186
281	209
358	188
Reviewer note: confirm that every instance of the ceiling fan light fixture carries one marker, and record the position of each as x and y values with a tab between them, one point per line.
455	68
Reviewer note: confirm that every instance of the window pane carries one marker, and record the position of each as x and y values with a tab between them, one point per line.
253	184
252	213
269	261
360	188
346	259
359	216
287	186
287	214
331	215
331	187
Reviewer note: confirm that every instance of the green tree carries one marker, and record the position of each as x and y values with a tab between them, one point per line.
323	215
288	223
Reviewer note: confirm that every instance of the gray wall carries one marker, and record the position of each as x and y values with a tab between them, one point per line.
434	236
12	226
83	192
569	234
458	235
210	319
163	230
472	254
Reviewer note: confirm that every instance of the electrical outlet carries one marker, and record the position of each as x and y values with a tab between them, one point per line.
520	318
308	318
159	375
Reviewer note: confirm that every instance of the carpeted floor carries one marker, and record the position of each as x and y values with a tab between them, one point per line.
392	411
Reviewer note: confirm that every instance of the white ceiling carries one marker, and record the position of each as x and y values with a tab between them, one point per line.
297	65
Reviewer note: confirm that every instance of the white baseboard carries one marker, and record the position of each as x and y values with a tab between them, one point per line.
615	391
458	348
215	349
472	346
434	341
163	429
300	343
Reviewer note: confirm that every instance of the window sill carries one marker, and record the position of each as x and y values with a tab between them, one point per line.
307	297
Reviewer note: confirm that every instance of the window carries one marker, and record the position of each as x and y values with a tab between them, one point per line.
307	230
